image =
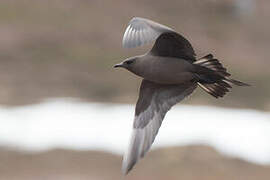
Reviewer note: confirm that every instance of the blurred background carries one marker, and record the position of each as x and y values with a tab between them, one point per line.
65	113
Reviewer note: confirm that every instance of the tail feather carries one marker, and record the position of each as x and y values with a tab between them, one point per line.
214	78
235	82
214	89
213	64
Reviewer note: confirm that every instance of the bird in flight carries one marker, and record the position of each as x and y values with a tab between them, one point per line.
170	71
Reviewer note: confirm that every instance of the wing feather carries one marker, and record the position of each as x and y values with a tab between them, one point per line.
154	102
151	29
168	43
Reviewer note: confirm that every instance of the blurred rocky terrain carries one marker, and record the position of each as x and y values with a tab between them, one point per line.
188	163
66	48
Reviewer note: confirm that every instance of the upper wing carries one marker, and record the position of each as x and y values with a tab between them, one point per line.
141	31
155	100
168	43
172	44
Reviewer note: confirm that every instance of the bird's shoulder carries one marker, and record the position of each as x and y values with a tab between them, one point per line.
166	61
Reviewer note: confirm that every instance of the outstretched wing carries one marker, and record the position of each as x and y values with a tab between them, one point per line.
172	44
155	100
141	31
168	42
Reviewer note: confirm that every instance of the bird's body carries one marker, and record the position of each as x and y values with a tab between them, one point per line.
170	72
163	70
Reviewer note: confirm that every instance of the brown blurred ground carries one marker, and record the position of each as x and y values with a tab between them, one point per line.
66	48
188	163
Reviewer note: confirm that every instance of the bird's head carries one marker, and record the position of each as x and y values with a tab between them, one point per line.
128	64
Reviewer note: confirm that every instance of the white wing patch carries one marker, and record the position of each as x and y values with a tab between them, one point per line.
141	31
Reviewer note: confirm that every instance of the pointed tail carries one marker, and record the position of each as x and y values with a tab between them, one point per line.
213	77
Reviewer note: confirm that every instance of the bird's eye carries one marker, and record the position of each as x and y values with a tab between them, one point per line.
129	62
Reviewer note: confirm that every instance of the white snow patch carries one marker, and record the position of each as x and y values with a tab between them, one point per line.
78	125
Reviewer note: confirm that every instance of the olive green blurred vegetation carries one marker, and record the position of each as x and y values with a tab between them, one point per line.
66	48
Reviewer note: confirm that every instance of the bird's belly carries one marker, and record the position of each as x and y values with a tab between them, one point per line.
169	77
166	70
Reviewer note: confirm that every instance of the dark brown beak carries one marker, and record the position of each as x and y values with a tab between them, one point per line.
118	65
